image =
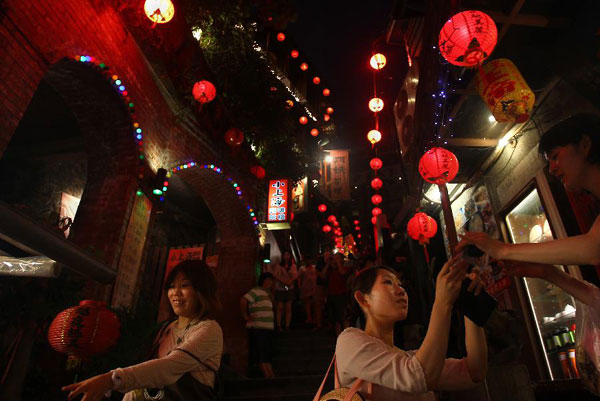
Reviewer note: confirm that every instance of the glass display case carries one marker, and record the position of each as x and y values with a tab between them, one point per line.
553	308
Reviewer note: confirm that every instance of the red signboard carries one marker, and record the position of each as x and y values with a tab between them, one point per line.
278	205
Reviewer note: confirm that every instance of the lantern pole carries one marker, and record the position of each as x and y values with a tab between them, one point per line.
448	218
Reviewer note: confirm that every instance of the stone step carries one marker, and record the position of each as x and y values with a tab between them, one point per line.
277	386
291	365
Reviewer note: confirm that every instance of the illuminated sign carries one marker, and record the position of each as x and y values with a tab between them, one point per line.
278	201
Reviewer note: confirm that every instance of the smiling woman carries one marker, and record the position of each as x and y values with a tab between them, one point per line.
187	351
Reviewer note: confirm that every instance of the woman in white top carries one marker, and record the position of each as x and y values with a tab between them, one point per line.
396	374
187	351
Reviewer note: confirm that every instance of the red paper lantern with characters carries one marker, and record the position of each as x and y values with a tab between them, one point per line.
438	166
468	38
204	91
376	183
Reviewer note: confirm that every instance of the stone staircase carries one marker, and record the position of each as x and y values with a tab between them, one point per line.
300	359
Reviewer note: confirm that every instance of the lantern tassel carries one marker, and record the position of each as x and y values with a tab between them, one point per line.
426	254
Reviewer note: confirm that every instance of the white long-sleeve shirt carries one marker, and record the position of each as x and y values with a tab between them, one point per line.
395	374
204	340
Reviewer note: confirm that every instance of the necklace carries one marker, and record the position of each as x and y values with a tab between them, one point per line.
180	333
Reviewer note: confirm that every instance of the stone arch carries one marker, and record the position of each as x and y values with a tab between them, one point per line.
237	255
106	126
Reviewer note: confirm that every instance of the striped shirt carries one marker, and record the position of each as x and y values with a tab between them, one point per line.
260	308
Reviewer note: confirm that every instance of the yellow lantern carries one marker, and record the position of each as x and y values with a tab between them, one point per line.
376	105
377	61
374	136
505	91
159	11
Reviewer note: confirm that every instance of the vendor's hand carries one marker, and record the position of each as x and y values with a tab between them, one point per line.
477	285
449	280
482	241
525	269
93	389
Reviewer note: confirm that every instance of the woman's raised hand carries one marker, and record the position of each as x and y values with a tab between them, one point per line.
93	389
482	241
449	280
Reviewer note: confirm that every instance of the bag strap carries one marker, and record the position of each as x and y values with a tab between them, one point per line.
196	358
353	390
318	395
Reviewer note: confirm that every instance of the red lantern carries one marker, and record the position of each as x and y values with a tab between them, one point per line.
292	216
204	91
331	218
280	37
289	104
316	80
468	38
358	236
357	228
234	137
258	172
374	220
376	199
356	222
303	120
374	136
322	208
84	330
336	224
294	54
159	11
438	166
376	211
421	228
304	66
329	110
326	117
314	132
377	61
376	163
326	92
376	183
376	105
326	228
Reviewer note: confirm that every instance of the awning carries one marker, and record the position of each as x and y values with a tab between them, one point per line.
22	232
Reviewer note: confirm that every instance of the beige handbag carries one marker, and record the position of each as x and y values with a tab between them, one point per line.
341	393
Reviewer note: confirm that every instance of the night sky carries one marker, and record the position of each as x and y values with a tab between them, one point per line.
337	37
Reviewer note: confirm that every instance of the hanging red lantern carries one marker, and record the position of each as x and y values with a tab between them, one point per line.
326	117
204	91
292	216
303	120
505	91
331	218
316	80
336	224
326	92
374	220
280	37
314	132
326	228
289	104
421	228
258	172
468	38
375	163
234	137
358	236
322	208
438	166
376	105
357	228
159	11
329	110
356	222
376	183
376	199
304	66
374	136
377	61
294	53
84	330
376	211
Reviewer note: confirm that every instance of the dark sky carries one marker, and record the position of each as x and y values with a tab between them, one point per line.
337	37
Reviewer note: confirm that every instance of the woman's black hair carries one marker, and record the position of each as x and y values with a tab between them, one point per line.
263	277
291	261
204	282
570	131
362	281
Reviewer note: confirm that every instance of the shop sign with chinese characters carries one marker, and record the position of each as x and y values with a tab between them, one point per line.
278	201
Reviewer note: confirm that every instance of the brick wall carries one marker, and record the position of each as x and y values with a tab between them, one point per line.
36	36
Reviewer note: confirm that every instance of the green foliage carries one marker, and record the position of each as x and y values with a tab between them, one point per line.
244	81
